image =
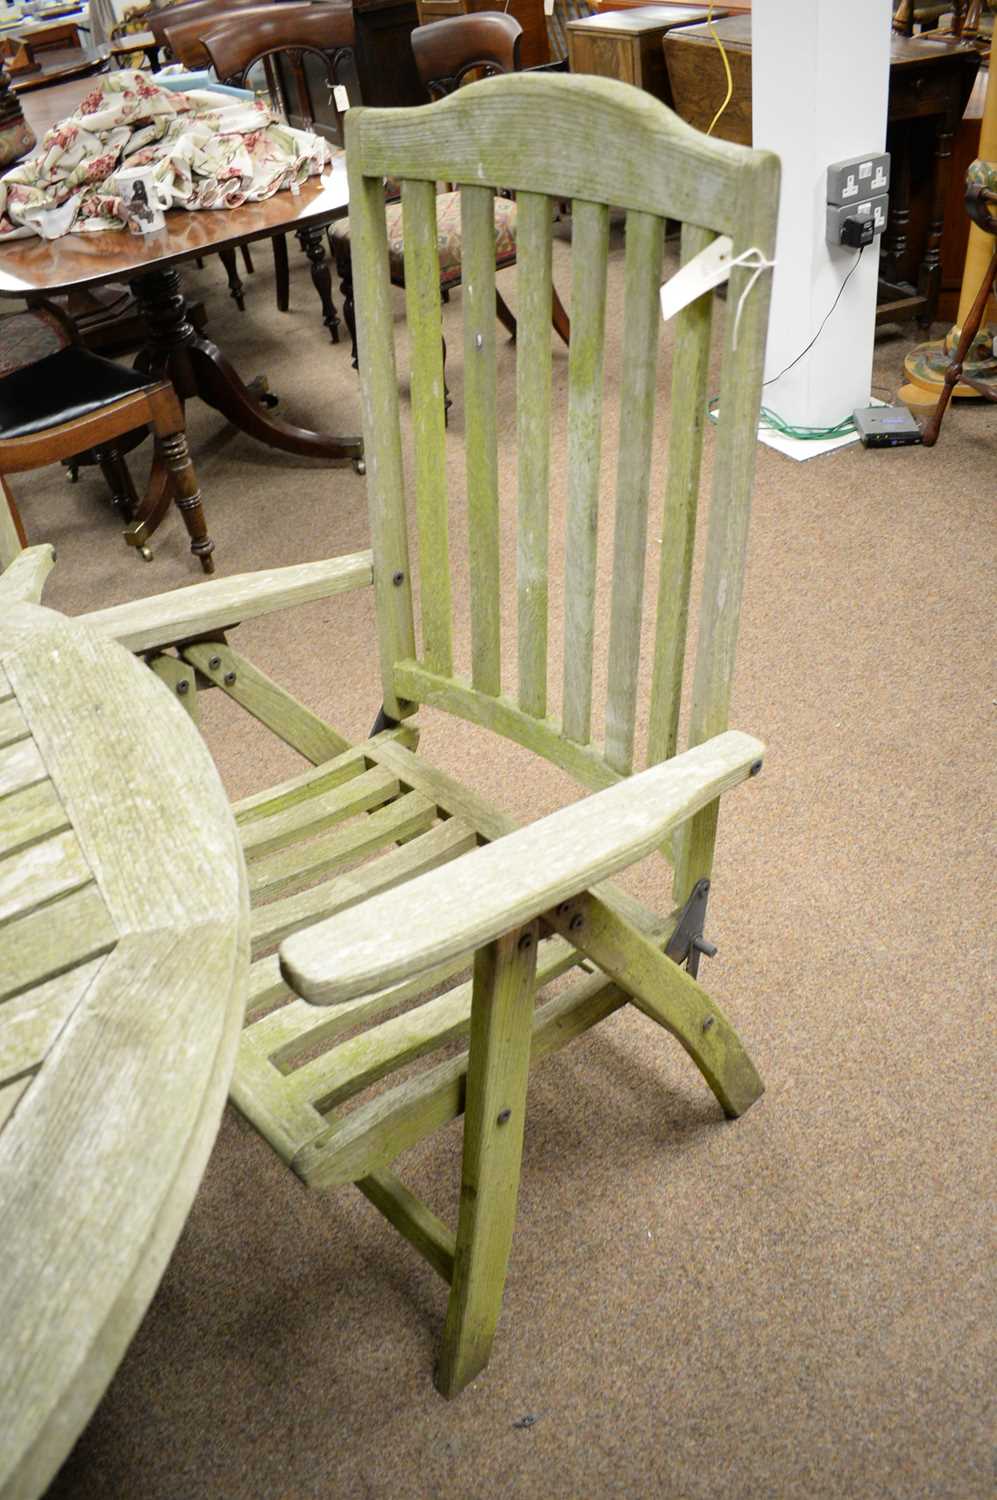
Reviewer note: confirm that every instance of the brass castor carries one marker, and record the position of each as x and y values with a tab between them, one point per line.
359	466
145	552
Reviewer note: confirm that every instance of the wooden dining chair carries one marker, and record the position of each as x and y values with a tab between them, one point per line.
398	914
292	53
466	48
73	405
456	48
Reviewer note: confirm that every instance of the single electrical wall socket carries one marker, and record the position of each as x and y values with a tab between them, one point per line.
867	208
859	177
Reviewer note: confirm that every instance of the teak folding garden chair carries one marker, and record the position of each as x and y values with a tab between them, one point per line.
454	885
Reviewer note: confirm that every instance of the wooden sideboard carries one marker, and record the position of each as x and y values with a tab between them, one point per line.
930	86
535	47
627	44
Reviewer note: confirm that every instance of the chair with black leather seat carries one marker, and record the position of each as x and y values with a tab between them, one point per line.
72	402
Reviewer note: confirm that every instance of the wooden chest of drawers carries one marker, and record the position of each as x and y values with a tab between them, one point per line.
627	44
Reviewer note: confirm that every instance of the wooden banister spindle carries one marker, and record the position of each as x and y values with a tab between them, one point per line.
533	395
690	372
478	276
589	251
422	304
642	278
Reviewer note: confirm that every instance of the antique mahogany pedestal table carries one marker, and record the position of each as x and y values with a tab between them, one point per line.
175	349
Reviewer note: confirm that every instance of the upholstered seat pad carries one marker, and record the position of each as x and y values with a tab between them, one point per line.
68	384
28	336
448	236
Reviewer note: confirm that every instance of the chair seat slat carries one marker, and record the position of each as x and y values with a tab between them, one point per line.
291	869
374	1134
265	835
273	922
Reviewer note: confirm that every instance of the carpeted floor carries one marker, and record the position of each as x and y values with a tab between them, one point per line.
794	1306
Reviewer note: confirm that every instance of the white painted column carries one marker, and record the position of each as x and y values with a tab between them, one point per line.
820	79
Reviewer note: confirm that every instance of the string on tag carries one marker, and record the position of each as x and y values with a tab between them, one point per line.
748	258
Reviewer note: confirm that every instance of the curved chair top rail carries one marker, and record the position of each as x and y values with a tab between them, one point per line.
234	47
157	21
446	51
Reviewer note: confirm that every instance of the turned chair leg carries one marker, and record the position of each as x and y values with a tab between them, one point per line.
344	270
559	317
498	1068
188	497
119	480
235	286
13	538
282	272
505	314
310	240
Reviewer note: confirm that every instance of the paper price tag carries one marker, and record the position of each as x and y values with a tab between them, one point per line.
548	7
341	98
701	274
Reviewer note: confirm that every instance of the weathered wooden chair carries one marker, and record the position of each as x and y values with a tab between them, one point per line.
342	1005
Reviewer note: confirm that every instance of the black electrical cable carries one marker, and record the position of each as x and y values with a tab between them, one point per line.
820	330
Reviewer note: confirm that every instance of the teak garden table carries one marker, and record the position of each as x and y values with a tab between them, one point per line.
124	964
175	349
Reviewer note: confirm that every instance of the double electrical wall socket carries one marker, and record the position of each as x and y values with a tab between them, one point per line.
868	208
858	178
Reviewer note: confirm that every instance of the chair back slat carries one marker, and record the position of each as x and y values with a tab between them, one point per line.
382	432
533	397
730	514
690	373
589	256
478	277
422	310
642	277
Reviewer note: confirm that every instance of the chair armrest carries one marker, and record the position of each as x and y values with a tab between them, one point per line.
454	909
165	618
23	579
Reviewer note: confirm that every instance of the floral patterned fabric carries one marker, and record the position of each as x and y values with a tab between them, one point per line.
209	152
448	238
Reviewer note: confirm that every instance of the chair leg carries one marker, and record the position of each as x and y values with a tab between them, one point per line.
188	497
498	1067
311	244
235	286
119	481
247	260
282	272
559	317
505	315
344	270
13	538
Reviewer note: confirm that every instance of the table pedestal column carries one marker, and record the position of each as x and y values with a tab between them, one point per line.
197	367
